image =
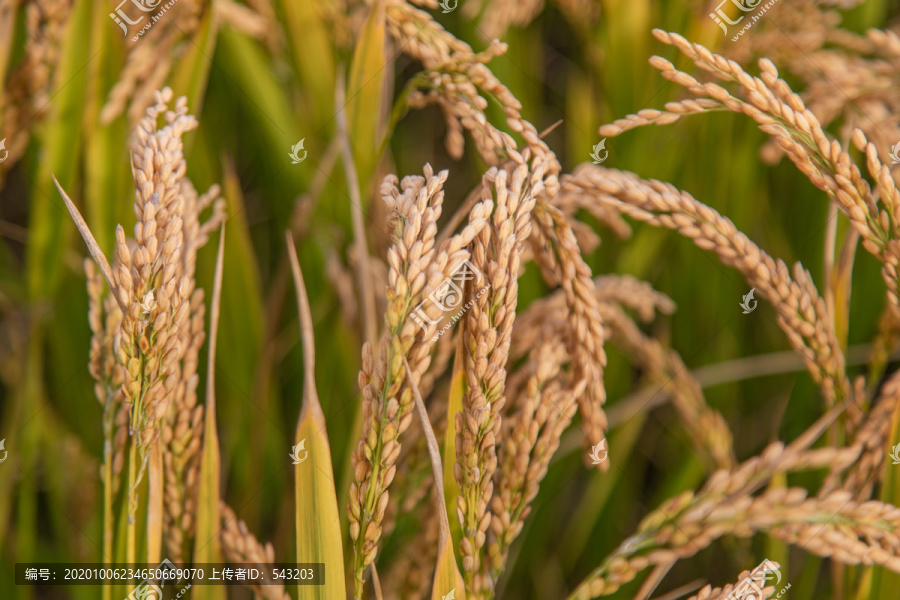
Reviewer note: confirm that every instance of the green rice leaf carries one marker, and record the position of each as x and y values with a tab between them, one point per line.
454	406
318	523
207	548
60	137
448	583
365	96
309	39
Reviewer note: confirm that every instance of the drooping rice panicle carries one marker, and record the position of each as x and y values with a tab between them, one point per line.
872	439
458	79
706	427
500	15
834	525
547	318
558	255
740	591
624	290
782	114
801	311
887	339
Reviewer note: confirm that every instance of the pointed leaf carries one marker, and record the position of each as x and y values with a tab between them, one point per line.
317	519
447	580
454	406
448	583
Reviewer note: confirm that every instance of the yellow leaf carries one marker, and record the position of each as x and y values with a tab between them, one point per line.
318	522
454	405
448	583
206	542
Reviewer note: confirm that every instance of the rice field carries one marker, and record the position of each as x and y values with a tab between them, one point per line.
450	299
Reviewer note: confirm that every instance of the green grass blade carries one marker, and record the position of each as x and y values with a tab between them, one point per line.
447	579
454	405
106	155
317	520
308	37
207	548
191	72
365	97
61	137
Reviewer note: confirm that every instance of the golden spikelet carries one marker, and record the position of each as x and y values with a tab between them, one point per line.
416	266
487	331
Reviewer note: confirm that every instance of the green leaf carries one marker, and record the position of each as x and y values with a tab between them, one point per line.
191	73
61	141
365	95
277	130
242	294
269	106
317	519
454	406
106	163
447	580
448	583
309	38
207	548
